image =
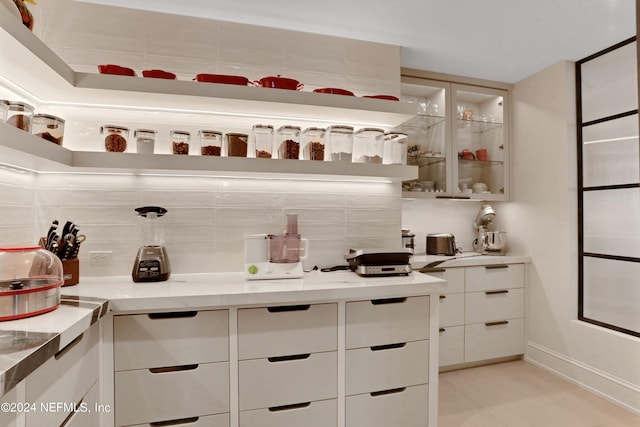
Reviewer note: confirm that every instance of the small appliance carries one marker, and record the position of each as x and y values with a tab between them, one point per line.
275	256
380	262
488	242
441	244
152	262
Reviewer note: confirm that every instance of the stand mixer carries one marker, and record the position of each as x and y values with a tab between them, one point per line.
488	242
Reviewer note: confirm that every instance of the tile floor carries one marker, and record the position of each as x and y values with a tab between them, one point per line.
516	394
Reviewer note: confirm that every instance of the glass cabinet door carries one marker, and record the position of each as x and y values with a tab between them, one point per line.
480	152
429	138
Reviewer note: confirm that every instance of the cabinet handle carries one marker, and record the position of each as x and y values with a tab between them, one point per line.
174	369
68	347
172	315
388	301
501	291
191	420
70	416
283	308
388	346
502	322
432	270
442	330
288	358
495	267
443	297
385	392
289	407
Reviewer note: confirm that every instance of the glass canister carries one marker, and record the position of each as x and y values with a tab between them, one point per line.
20	115
313	147
288	142
339	141
262	137
4	108
180	141
145	140
395	148
210	143
115	138
237	144
368	145
48	127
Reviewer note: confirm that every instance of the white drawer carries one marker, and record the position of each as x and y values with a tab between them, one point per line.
144	396
170	339
490	277
387	367
88	417
453	276
66	377
278	381
451	309
323	413
492	340
494	305
277	331
387	321
218	420
8	418
451	351
407	407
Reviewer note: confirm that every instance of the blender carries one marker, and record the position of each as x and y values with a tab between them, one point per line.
275	256
152	262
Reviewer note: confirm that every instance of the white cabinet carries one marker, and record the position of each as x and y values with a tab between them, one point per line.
322	413
481	313
399	407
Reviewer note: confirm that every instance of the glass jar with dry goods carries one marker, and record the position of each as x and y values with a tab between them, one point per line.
145	140
115	138
237	144
180	141
288	142
262	138
313	144
339	140
48	127
395	148
368	145
4	108
20	115
210	143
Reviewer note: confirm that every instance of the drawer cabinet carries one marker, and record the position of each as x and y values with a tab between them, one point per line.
90	417
406	407
452	309
220	420
8	418
493	339
451	345
322	413
499	304
489	277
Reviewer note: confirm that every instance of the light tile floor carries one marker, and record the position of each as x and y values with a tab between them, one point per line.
519	394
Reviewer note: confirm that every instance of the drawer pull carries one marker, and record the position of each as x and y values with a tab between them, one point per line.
66	420
442	330
289	407
385	392
173	315
388	346
173	369
181	421
288	358
502	322
495	267
68	347
501	291
432	270
443	297
284	308
388	301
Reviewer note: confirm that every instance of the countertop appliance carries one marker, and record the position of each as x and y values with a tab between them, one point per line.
488	242
441	244
380	262
152	261
275	256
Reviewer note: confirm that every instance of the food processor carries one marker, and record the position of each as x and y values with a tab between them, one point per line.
488	242
152	262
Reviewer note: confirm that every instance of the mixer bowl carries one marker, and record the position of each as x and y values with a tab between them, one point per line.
494	241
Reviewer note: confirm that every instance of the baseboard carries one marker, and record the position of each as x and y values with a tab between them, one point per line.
615	390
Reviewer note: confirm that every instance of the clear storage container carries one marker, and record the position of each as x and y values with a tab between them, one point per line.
145	140
395	148
368	145
210	143
288	142
262	137
48	127
4	108
313	147
20	115
115	138
180	141
237	144
339	141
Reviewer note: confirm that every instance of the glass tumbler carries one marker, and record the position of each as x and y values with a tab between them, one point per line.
262	136
313	147
210	143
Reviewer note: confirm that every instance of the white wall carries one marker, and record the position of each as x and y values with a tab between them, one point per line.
544	217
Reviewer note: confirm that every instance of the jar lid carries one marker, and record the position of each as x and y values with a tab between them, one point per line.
312	129
372	130
396	135
180	132
340	129
137	131
22	105
240	135
48	117
4	101
290	128
210	132
262	127
114	127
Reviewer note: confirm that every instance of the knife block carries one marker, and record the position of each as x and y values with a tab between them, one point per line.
70	268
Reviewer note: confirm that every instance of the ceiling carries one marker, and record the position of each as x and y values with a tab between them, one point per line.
502	40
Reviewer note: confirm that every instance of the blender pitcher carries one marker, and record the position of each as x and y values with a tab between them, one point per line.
152	261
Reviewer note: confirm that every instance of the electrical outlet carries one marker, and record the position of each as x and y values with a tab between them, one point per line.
100	258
